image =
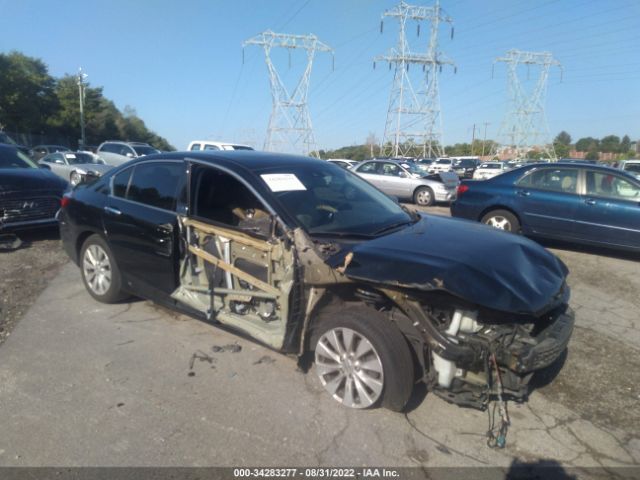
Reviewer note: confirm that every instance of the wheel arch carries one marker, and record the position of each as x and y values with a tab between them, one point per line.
340	297
499	207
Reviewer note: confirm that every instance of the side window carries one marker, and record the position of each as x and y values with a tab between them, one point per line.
370	167
156	184
210	147
218	197
390	170
611	186
554	179
195	147
121	182
125	149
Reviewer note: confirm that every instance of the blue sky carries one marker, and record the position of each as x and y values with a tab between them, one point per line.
179	63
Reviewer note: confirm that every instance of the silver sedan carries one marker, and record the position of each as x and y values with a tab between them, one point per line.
409	181
74	166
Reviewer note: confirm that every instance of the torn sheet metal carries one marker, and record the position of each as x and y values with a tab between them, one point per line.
479	264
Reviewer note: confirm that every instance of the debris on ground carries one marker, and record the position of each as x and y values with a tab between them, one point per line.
9	242
232	348
266	359
201	356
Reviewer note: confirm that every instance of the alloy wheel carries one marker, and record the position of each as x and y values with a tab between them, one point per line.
423	197
349	367
499	222
97	269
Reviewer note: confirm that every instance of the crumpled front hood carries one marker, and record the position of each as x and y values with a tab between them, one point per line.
480	264
28	180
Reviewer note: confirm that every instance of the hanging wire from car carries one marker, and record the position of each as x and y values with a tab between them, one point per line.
497	435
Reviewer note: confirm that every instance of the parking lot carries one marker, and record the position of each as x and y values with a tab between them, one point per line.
83	383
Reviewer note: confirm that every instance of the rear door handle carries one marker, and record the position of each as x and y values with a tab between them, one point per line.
112	211
590	201
523	193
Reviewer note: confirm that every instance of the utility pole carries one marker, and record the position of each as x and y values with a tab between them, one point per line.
484	140
473	137
290	123
525	124
413	116
81	76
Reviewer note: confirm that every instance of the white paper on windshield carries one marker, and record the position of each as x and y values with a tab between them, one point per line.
282	182
69	155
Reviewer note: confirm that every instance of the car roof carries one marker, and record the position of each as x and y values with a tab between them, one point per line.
248	159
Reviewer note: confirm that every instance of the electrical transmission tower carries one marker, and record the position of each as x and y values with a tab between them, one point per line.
413	117
525	126
290	126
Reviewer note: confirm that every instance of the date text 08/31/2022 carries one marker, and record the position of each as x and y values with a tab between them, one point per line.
315	473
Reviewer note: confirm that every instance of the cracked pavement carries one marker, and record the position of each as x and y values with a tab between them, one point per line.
86	384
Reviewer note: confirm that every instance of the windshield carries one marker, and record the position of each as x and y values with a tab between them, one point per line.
327	199
144	150
416	168
444	161
632	167
464	163
495	166
10	158
78	158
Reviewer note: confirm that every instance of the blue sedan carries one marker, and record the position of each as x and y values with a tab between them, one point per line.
567	201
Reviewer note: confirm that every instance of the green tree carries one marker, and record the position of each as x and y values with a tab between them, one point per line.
586	143
592	155
610	143
625	144
27	95
563	138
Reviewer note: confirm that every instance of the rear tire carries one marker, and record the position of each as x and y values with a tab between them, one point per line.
502	220
362	359
423	196
100	272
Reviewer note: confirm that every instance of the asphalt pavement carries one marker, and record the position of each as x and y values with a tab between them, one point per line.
86	384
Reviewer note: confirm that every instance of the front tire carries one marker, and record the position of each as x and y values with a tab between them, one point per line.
502	220
423	196
362	359
100	272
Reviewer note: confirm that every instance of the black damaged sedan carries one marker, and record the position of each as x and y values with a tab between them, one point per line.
311	260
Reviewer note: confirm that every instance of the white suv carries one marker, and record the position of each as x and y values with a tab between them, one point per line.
198	145
116	153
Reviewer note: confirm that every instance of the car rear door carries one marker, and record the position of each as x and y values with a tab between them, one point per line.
372	173
140	220
547	200
609	212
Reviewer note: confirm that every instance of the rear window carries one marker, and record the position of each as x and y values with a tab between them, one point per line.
494	166
156	184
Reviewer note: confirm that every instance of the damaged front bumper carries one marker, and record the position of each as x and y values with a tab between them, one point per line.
543	349
458	352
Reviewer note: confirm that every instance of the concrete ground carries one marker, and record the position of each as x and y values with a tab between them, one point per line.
86	384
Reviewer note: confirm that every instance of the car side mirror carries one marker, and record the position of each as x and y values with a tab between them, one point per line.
59	162
43	166
403	175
